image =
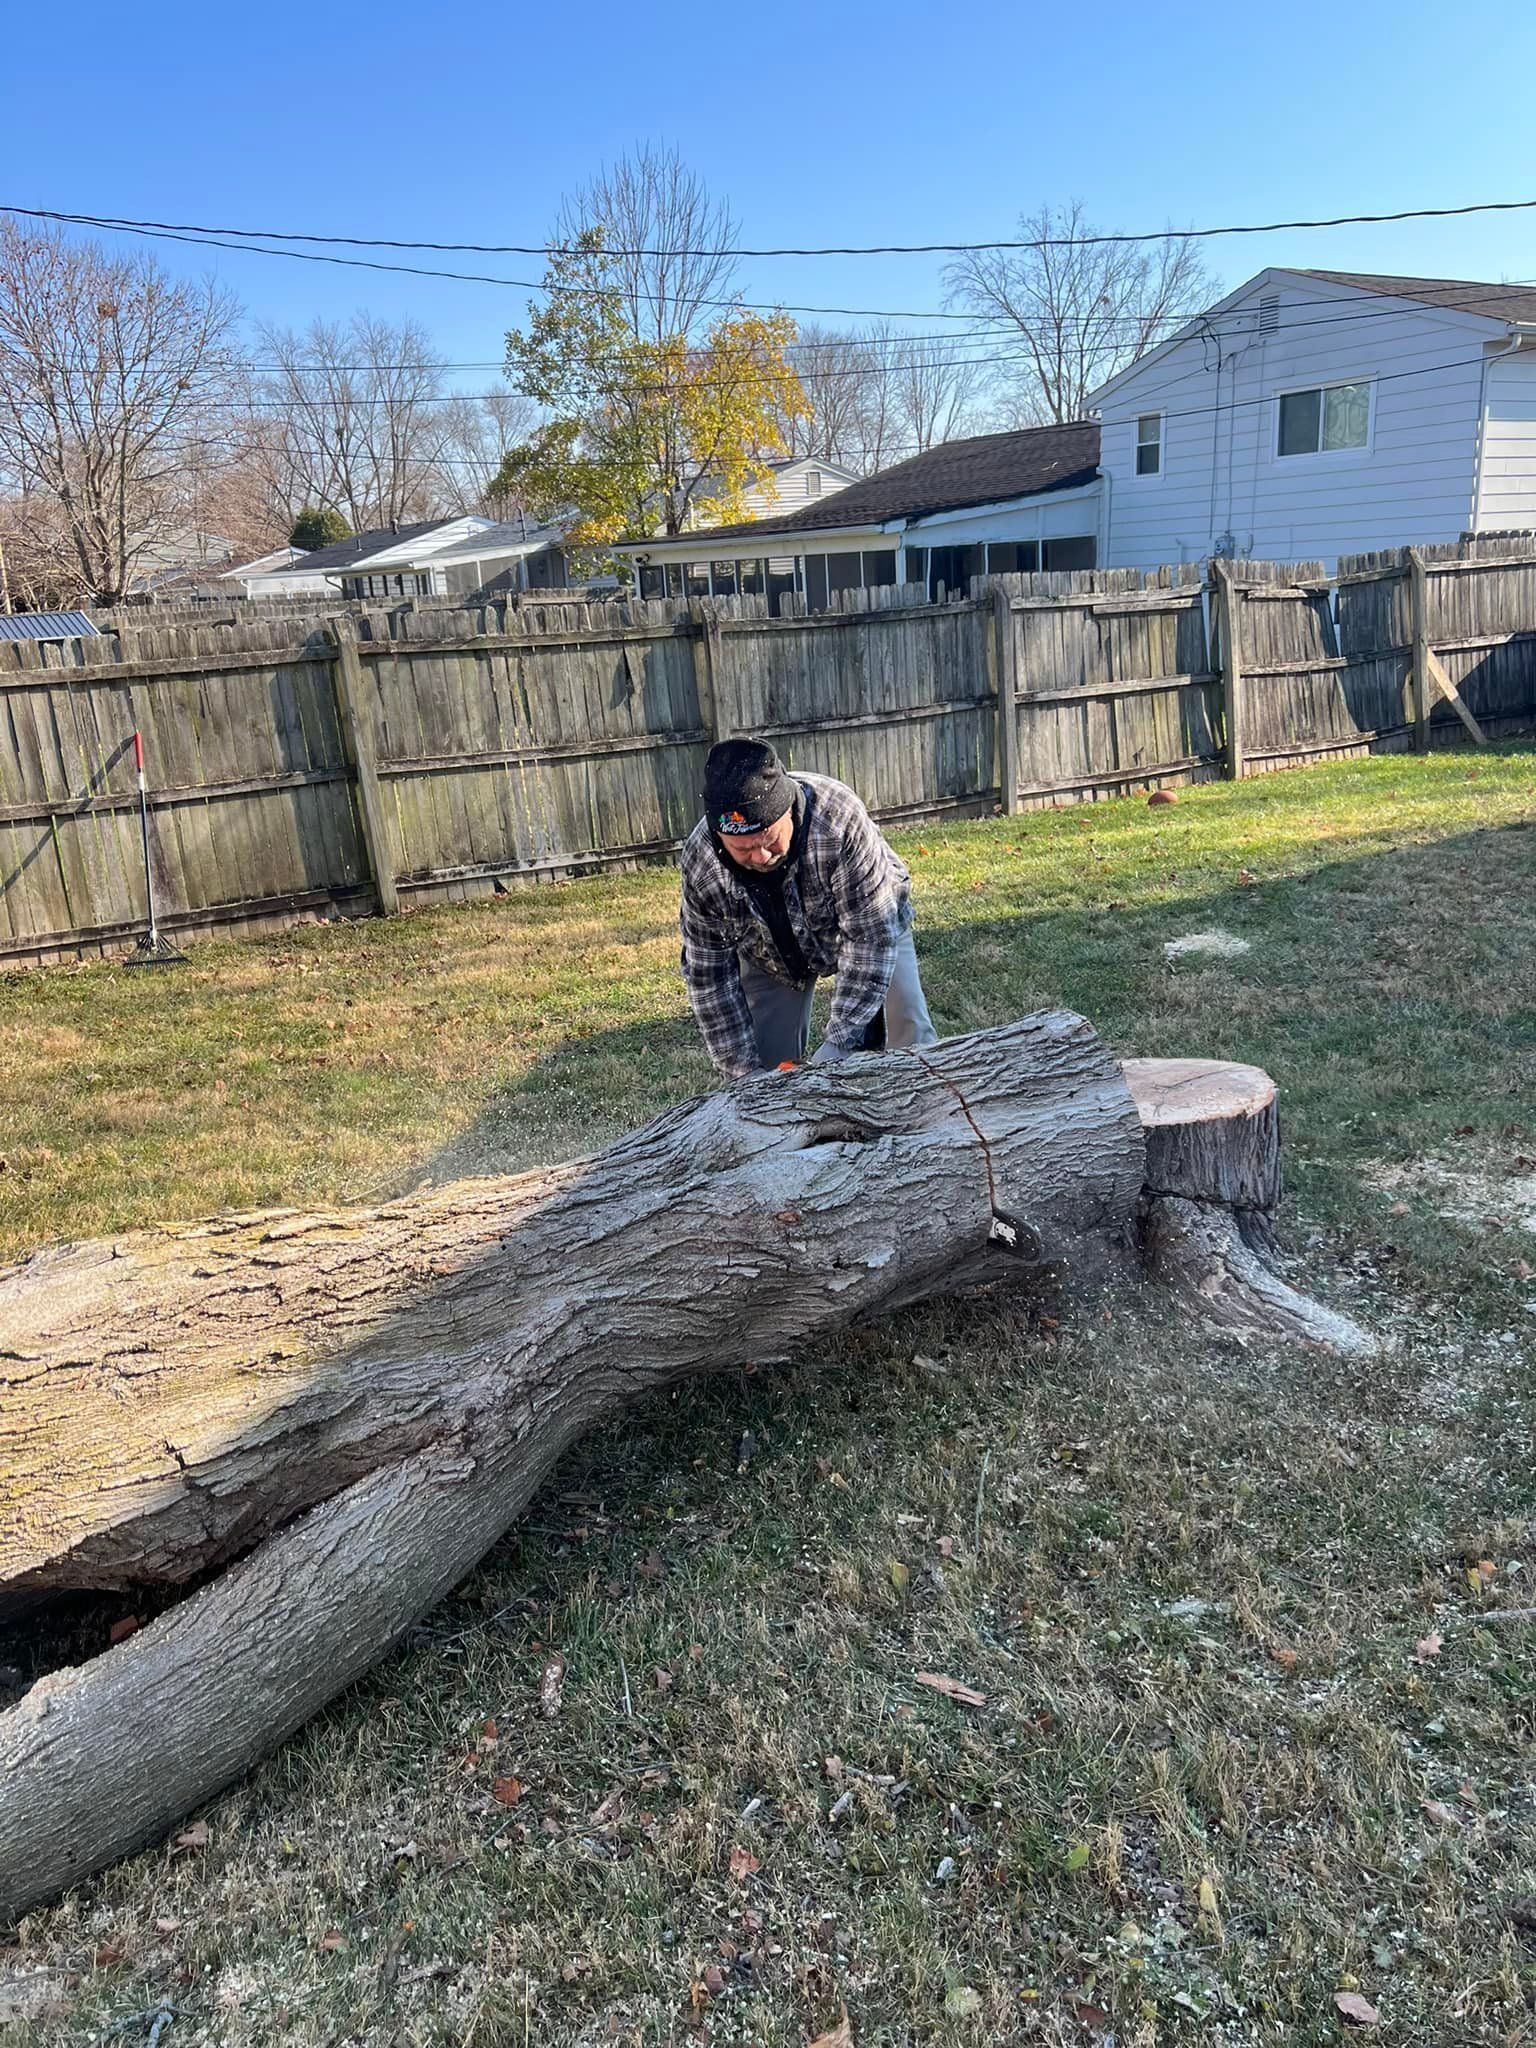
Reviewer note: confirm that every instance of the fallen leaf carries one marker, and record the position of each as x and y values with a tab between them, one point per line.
900	1577
714	1980
952	1689
1284	1657
961	2001
1438	1810
1427	1647
663	1679
194	1837
651	1566
107	1955
1076	1857
488	1738
743	1864
331	1940
1093	2017
946	1546
840	2036
167	1926
1486	1570
120	1631
1208	1897
507	1791
1356	2008
552	1686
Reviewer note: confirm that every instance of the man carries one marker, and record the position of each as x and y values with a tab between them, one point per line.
786	878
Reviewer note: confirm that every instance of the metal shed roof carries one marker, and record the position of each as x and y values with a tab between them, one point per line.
46	626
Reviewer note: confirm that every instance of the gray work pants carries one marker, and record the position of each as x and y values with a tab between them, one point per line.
781	1012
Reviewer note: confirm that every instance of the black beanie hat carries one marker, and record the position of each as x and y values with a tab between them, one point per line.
746	787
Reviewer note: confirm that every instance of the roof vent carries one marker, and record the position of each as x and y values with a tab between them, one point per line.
1269	313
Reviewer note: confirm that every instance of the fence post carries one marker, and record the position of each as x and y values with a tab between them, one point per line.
1229	616
1418	598
707	664
1005	673
356	718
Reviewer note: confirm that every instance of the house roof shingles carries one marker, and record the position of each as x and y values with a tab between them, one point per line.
342	554
977	471
1452	294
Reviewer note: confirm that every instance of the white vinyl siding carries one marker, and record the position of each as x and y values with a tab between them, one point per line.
1507	493
1224	484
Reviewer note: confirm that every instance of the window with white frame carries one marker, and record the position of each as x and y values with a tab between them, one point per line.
1326	418
1149	444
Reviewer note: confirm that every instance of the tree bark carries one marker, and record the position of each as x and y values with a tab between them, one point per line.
1213	1184
355	1406
370	1397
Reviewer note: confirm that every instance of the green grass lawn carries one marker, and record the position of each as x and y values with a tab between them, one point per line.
1251	1738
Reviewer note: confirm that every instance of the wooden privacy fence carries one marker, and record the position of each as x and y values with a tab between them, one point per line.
355	762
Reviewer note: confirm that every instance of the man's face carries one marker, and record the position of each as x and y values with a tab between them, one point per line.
761	850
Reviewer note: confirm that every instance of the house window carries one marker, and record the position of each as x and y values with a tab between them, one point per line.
696	579
879	568
813	483
816	583
723	576
1149	444
1324	419
844	572
653	582
1077	552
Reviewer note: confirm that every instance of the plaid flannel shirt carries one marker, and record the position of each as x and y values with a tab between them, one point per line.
848	899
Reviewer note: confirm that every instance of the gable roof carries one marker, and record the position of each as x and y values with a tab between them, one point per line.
342	554
976	471
1451	294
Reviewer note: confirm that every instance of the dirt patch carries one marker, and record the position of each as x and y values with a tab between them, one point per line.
1462	1194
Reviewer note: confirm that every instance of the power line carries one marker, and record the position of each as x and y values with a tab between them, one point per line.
734	305
1040	242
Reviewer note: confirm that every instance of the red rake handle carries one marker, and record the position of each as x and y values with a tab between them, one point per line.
138	752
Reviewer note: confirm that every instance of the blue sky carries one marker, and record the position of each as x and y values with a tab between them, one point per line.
819	123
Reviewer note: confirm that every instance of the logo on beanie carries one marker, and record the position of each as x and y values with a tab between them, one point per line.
733	821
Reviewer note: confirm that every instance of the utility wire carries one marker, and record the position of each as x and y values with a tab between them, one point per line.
1041	242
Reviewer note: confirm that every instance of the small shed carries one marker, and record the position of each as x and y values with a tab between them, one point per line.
51	626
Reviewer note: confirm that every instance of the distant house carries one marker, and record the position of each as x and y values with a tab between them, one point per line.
432	558
1314	413
799	480
280	572
994	503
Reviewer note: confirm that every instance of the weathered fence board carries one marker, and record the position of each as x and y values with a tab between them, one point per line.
539	739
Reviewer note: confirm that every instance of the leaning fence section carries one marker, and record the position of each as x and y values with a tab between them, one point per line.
311	760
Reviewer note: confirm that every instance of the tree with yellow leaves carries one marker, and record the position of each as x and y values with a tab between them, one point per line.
667	400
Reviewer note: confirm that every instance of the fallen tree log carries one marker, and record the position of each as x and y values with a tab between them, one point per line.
347	1410
369	1398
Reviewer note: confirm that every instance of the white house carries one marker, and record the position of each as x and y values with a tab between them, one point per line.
432	558
999	502
1314	413
798	480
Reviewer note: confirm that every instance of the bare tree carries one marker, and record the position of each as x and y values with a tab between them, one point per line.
935	388
482	430
364	424
667	247
1079	311
878	395
108	367
837	372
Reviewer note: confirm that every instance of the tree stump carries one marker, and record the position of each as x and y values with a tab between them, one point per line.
1212	1187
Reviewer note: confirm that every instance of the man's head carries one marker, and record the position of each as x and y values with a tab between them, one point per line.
749	799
